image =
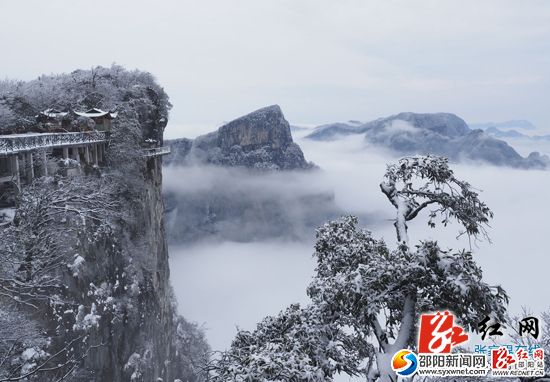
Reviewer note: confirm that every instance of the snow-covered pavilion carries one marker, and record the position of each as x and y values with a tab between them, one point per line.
26	156
101	118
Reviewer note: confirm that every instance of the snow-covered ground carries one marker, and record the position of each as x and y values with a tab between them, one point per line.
6	215
226	285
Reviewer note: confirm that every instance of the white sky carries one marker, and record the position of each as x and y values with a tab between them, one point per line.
320	60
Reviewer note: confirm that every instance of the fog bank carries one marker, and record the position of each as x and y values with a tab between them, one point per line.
227	284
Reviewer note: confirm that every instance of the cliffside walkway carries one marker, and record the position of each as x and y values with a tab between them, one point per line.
19	143
19	152
26	156
157	151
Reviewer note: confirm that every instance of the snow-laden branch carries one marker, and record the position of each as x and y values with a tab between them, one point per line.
363	291
414	183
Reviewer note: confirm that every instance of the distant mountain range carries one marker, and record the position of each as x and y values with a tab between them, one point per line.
514	134
517	124
442	134
509	130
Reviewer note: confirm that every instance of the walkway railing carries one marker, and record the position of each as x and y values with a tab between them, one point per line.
16	143
157	151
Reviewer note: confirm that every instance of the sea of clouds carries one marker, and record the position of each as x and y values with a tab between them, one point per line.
225	285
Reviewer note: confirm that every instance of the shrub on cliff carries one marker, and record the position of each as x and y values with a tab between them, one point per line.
36	253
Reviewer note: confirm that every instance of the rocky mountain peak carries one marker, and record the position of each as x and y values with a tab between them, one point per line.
259	140
266	127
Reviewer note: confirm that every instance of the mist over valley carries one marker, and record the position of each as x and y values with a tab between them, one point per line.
271	247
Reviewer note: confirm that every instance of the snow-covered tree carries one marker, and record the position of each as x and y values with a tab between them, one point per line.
380	292
370	294
419	182
111	88
192	348
36	253
371	282
298	345
7	117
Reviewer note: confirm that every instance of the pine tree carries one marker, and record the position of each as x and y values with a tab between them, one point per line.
368	296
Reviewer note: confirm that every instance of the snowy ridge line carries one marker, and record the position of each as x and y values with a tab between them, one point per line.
13	144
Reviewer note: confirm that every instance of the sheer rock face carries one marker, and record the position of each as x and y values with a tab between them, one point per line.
442	134
120	300
260	140
149	332
247	150
264	127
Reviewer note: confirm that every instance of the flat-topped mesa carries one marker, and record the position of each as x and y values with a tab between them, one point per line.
259	140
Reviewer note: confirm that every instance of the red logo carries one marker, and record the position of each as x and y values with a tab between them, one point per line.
538	354
522	354
500	359
439	334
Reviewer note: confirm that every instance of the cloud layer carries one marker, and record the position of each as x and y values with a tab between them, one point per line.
235	284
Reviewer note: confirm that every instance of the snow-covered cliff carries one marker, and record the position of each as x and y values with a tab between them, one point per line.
88	262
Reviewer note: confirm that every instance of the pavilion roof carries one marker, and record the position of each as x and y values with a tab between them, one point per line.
54	113
95	113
